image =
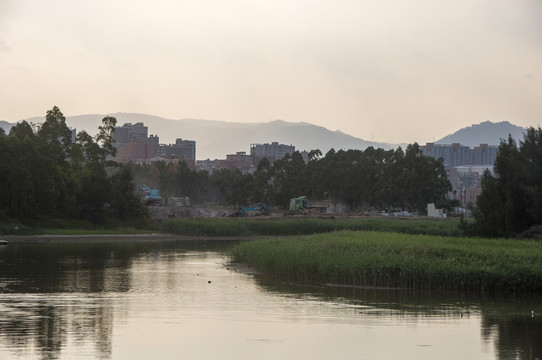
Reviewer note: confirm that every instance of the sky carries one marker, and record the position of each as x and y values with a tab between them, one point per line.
383	70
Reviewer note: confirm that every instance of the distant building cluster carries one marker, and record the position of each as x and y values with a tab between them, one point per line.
459	155
134	144
247	163
466	182
464	166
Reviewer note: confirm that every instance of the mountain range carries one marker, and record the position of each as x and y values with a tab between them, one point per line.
215	139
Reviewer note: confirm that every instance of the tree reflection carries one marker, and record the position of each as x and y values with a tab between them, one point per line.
514	337
506	320
52	290
55	293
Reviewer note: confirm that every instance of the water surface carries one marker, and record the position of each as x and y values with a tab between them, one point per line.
167	300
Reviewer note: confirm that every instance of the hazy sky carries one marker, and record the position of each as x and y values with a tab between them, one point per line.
388	70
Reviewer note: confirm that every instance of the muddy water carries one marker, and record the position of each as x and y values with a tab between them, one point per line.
167	300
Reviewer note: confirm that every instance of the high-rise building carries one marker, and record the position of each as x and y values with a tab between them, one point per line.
271	151
484	154
127	133
459	155
453	155
181	148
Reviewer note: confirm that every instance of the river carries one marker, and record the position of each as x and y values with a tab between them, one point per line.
177	299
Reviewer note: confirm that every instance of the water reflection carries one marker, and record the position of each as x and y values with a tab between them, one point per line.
50	292
511	323
66	300
515	336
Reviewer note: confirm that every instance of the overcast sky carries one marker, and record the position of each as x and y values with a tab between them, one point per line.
387	70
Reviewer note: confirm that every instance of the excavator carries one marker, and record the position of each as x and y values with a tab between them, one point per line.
254	210
150	196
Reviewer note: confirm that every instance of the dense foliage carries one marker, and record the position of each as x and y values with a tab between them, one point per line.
45	174
511	202
370	179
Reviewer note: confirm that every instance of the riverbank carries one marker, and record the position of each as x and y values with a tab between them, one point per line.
392	260
106	238
285	226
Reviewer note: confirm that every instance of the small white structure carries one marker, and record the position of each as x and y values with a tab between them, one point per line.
433	212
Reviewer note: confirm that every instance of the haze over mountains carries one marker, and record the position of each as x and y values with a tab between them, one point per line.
215	139
484	133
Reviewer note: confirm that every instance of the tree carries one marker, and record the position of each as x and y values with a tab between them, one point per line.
289	180
105	137
125	204
511	201
55	133
22	130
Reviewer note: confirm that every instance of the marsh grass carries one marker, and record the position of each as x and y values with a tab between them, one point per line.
117	231
305	226
392	260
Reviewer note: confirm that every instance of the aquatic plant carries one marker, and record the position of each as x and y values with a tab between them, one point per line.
377	259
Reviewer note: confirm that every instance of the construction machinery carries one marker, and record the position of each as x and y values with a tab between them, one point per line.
150	196
254	210
301	205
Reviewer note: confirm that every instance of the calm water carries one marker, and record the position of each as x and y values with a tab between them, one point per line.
172	300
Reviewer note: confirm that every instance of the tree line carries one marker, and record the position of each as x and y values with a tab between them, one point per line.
44	173
361	180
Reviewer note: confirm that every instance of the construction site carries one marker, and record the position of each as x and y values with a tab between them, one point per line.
180	207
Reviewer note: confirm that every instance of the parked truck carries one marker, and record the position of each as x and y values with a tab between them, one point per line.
301	205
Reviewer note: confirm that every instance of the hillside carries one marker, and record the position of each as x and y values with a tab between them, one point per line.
215	139
6	126
484	133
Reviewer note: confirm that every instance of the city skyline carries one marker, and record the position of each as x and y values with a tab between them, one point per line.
384	71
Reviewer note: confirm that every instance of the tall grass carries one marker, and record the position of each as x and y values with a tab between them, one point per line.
379	259
305	226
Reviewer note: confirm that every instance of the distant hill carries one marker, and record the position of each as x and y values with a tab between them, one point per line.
216	139
6	126
484	133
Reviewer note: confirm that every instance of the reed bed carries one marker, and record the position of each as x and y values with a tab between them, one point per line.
305	226
391	260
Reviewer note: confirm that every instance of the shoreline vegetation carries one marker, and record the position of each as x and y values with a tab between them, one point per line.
288	226
377	253
393	260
